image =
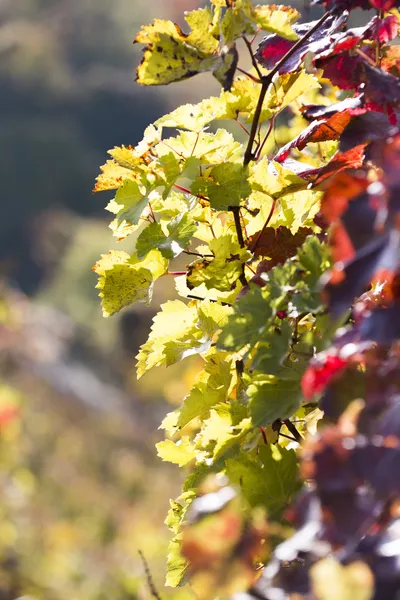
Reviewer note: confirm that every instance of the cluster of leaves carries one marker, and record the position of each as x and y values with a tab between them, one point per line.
288	244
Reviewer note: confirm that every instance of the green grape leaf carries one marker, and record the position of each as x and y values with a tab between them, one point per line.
269	481
180	453
273	398
177	565
176	321
212	316
130	202
313	261
224	270
255	311
225	185
180	230
273	348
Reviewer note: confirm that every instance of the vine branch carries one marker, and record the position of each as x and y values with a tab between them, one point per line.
266	80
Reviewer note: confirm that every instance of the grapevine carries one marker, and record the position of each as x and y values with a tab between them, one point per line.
288	229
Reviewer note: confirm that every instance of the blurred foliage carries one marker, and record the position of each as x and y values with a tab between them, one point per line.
77	486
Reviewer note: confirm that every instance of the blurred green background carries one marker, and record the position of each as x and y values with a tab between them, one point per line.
81	487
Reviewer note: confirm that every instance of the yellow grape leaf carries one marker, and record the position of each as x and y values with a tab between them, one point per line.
226	425
154	262
127	162
175	322
171	55
244	95
123	280
242	17
273	179
200	22
210	148
177	564
276	19
294	85
112	176
195	117
223	271
179	453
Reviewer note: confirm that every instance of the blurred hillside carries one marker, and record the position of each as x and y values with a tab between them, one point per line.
68	94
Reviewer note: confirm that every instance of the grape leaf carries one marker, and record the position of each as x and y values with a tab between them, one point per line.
269	482
254	312
122	281
225	185
195	117
273	348
210	387
273	398
211	148
177	565
340	5
225	426
170	55
180	231
179	453
179	331
127	162
224	270
273	48
278	244
320	130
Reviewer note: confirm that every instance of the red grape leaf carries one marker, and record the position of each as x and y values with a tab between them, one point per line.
278	244
273	48
322	130
352	159
340	5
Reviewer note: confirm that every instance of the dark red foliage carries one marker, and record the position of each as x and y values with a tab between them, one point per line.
273	48
340	5
351	508
277	244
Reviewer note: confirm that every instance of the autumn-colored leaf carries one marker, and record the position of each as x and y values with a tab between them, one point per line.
277	244
321	130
